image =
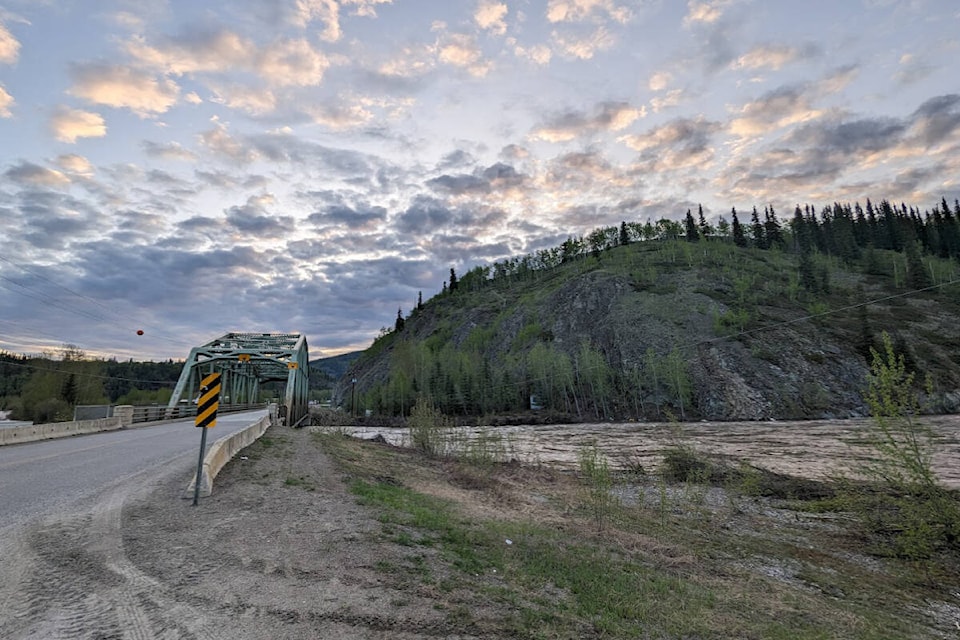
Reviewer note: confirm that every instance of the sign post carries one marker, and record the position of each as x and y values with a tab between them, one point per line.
206	419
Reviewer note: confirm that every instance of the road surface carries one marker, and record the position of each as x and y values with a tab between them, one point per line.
63	572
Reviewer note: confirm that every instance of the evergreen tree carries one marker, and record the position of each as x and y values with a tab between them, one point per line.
624	234
453	280
69	392
398	325
803	239
861	228
759	240
808	275
692	233
419	300
917	277
723	227
772	231
706	230
739	238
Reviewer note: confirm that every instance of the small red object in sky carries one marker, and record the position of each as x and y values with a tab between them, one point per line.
139	332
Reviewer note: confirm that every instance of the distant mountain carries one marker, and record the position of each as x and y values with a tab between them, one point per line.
668	328
335	366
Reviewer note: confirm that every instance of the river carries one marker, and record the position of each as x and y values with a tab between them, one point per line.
817	449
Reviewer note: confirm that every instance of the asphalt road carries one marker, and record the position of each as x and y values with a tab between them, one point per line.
45	477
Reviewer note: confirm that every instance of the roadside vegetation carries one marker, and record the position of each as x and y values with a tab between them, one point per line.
699	547
704	550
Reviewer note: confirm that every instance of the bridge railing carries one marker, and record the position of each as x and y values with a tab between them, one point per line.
153	413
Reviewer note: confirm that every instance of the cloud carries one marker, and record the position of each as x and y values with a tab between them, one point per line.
671	99
69	124
32	174
584	172
6	101
678	144
850	138
607	116
773	56
937	120
339	116
253	100
361	217
490	15
581	10
254	219
305	12
497	177
586	47
283	62
168	151
774	110
76	164
708	11
423	216
124	87
195	52
292	63
912	70
462	51
9	46
539	54
838	79
659	80
219	141
409	62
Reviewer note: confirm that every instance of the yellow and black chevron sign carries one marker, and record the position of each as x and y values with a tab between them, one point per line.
209	401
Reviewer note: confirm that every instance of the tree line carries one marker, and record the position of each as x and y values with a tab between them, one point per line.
47	388
583	381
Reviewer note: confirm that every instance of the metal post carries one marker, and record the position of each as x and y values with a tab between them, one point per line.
203	446
353	398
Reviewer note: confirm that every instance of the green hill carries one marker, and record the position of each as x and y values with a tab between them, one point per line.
691	327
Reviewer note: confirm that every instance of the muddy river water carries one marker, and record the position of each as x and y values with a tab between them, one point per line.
811	449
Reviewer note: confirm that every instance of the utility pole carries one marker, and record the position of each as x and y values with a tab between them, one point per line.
353	398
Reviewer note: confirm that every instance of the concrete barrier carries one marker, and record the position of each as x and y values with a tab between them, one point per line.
221	452
34	432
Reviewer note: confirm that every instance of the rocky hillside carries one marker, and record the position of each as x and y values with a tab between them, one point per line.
662	329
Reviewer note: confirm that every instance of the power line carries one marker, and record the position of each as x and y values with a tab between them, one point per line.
79	374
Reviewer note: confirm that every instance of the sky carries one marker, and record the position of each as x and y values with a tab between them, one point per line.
189	168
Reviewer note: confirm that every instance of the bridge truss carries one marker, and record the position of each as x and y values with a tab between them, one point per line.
245	361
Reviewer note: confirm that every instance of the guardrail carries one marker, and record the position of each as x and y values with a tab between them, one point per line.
154	413
223	450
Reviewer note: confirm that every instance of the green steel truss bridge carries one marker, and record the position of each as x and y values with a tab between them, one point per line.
245	360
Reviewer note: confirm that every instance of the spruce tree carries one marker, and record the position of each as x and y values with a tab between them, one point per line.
692	234
772	232
739	238
624	234
759	240
705	229
398	325
453	280
917	277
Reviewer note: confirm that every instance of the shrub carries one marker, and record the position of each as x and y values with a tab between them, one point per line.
429	428
908	508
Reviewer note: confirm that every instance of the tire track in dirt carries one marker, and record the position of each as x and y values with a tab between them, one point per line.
68	577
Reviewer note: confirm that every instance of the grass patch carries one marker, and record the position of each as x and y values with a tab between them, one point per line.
779	559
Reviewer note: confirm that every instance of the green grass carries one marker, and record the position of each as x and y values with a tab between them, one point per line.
680	567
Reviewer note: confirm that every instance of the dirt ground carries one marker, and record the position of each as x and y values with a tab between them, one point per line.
280	550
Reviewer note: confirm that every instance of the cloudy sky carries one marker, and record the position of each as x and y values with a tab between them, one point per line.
190	168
